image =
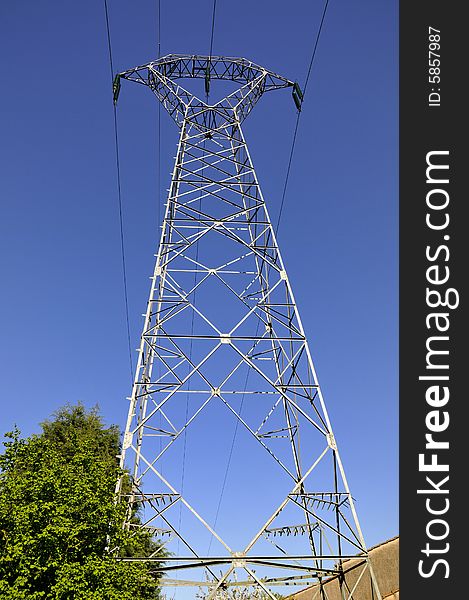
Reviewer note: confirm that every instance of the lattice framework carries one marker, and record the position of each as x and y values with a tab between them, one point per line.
218	249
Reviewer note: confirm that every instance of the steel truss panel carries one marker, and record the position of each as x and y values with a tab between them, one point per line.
223	342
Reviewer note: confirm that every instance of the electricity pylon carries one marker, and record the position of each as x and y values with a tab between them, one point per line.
223	346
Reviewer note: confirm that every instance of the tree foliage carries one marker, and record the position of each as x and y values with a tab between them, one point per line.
58	515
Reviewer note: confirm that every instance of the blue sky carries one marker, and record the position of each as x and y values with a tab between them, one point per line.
62	309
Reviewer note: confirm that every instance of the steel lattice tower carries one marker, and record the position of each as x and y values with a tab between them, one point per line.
223	343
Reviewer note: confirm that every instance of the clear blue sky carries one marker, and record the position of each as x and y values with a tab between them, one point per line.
63	335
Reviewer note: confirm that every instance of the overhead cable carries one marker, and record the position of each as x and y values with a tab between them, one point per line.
119	196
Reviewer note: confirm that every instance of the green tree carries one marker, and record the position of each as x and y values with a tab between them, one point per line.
58	515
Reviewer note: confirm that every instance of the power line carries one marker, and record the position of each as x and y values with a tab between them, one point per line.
119	196
195	281
159	28
276	230
326	4
213	26
233	441
207	73
313	56
287	176
158	182
158	164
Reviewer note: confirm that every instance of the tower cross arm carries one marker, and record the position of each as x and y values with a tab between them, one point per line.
162	77
182	66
